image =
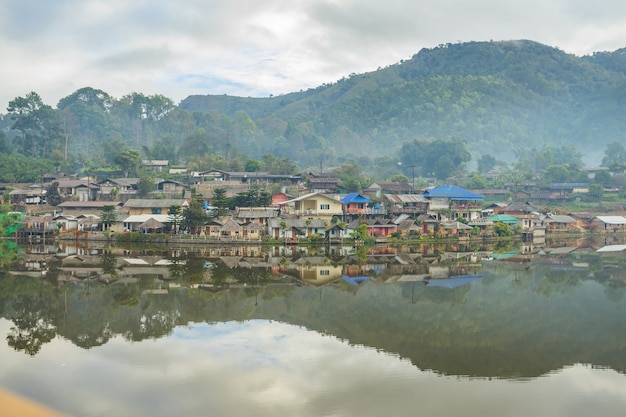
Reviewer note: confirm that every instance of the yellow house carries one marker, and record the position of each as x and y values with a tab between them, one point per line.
313	206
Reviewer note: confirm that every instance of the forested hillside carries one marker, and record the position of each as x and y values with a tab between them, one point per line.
497	96
500	98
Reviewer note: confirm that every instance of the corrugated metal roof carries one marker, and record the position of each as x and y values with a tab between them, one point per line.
452	192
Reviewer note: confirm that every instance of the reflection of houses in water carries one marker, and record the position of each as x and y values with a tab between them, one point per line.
318	270
232	250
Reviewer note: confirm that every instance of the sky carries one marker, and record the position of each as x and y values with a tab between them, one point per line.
254	48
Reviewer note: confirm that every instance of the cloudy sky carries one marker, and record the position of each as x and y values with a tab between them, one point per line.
271	368
257	48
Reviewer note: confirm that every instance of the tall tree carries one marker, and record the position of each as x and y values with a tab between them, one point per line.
195	216
52	194
129	160
39	125
175	217
107	217
614	155
145	186
220	201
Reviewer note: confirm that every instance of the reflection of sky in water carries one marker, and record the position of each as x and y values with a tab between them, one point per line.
265	368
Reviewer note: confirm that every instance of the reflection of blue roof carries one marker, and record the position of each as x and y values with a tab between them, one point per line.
453	281
355	198
355	280
453	193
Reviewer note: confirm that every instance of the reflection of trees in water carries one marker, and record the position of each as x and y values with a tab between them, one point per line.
109	263
33	324
417	292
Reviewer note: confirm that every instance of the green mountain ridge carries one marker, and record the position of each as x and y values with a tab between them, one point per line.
495	95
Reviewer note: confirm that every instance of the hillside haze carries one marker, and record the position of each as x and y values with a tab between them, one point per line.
502	98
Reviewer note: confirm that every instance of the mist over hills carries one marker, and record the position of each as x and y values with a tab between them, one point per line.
503	98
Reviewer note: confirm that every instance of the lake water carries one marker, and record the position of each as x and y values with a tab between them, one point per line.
248	331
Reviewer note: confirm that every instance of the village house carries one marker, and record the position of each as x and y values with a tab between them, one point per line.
413	204
33	194
323	182
377	228
80	190
378	189
528	214
76	208
428	223
118	188
450	202
146	223
255	214
294	229
171	188
313	206
608	223
248	177
354	204
153	206
560	223
155	165
407	226
231	230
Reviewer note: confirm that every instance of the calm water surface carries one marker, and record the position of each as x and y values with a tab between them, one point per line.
256	336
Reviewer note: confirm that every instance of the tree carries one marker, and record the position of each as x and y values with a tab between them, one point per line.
175	217
220	201
195	144
129	160
596	191
195	216
351	178
39	125
52	194
614	155
108	216
486	163
145	186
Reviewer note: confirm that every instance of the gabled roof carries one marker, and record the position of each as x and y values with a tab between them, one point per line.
406	198
155	203
309	196
141	218
522	206
390	187
503	218
452	192
355	198
611	219
559	218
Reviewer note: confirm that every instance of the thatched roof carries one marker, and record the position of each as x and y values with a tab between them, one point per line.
151	223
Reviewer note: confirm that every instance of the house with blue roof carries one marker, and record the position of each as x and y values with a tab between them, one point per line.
355	203
449	202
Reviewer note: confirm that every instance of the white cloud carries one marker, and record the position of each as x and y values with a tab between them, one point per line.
253	48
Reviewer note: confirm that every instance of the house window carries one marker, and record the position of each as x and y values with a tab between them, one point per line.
324	206
156	211
360	205
325	272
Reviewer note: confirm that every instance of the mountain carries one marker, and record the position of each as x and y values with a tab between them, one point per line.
502	98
